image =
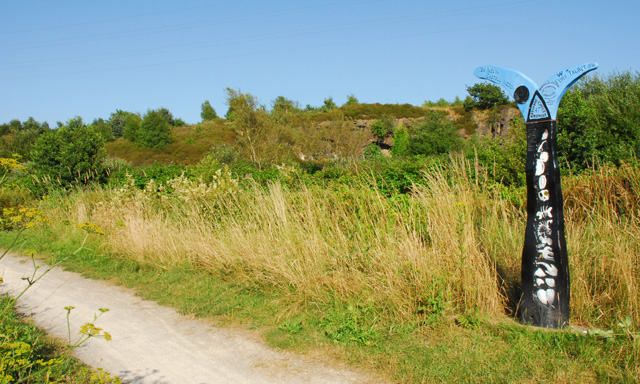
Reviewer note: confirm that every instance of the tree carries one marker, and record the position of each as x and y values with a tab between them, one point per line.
351	100
329	104
69	155
103	128
131	127
167	116
155	129
485	96
249	121
282	105
118	121
75	123
20	137
208	113
599	120
236	100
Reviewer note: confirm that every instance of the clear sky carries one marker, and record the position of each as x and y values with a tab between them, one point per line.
60	59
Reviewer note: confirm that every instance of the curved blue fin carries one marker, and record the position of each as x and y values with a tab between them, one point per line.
554	88
511	81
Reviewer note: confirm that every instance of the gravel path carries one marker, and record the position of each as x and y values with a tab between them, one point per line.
154	344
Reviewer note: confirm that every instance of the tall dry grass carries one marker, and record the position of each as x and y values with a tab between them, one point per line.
454	240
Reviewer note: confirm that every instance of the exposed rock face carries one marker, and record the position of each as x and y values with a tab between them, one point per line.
488	123
495	124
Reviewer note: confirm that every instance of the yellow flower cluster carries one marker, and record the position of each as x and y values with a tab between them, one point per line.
22	218
90	228
7	164
90	330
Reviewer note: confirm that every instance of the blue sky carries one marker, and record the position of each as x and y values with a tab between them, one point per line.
82	58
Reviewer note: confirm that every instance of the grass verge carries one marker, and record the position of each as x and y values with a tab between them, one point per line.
418	287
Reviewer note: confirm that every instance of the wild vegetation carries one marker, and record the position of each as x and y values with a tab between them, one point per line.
295	222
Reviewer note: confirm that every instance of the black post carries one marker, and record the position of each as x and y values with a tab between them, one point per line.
545	265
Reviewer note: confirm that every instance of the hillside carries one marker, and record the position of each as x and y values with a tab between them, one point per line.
192	142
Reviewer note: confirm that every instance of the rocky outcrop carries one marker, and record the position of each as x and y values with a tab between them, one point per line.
495	123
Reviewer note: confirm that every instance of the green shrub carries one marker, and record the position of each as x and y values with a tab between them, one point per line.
599	121
400	141
434	136
382	127
155	129
70	156
372	152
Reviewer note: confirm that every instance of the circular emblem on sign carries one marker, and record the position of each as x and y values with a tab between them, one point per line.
521	95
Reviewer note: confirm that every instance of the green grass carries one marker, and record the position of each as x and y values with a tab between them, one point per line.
414	287
29	355
445	350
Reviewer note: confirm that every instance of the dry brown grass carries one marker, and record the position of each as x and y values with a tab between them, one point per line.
453	240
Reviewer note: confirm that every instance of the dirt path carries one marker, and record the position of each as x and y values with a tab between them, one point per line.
154	344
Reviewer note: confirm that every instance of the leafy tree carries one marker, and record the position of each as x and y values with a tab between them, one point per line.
131	127
117	121
485	96
155	129
250	122
20	137
75	123
32	124
15	125
599	120
69	155
168	116
237	100
351	100
436	135
282	105
104	129
5	129
262	137
178	122
208	113
311	108
329	104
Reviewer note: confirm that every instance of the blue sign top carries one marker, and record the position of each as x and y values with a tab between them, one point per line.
536	104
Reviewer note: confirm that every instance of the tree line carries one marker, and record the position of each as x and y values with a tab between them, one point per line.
598	121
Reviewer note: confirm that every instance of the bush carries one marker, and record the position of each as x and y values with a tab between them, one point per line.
220	155
400	141
372	152
155	130
382	127
436	135
70	156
